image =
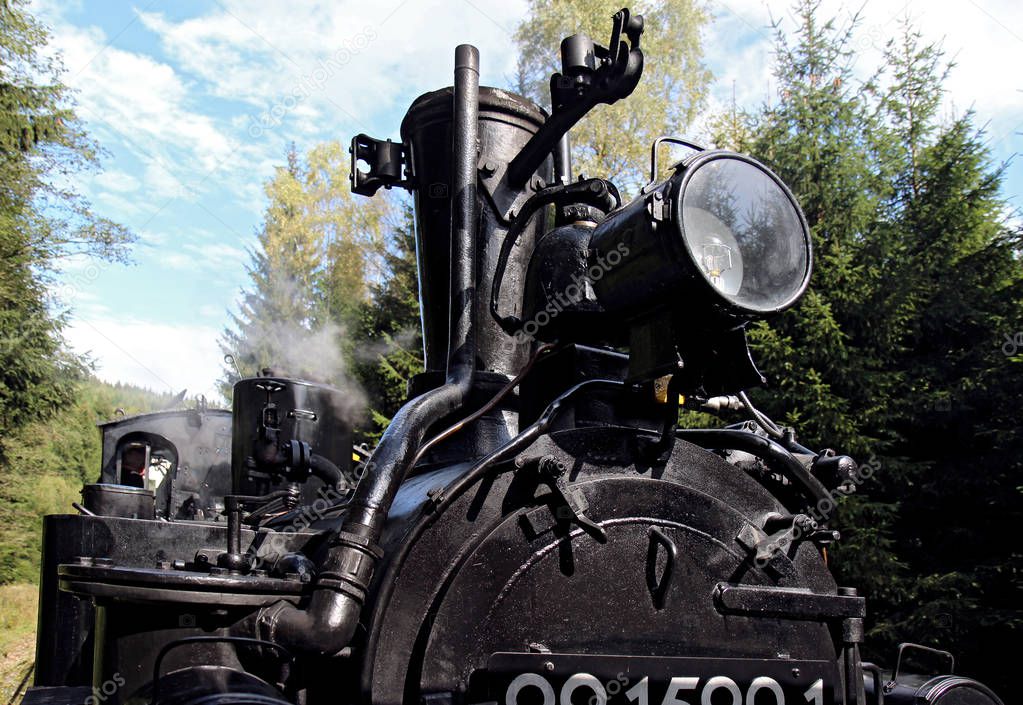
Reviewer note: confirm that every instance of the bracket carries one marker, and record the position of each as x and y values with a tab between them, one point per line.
388	165
591	74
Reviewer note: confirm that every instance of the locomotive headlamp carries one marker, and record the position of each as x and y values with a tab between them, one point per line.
744	232
689	262
722	239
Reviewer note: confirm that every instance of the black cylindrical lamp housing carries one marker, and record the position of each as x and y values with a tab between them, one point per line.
722	241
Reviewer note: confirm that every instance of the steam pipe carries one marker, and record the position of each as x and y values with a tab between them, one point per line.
327	471
328	624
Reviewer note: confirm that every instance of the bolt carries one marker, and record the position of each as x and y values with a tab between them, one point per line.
551	466
548	665
795	673
489	169
805	523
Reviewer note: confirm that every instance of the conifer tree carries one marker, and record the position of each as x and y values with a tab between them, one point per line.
279	311
42	219
312	275
895	355
955	462
390	332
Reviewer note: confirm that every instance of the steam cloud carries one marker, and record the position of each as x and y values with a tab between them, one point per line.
290	345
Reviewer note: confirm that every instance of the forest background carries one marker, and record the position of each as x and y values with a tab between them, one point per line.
906	352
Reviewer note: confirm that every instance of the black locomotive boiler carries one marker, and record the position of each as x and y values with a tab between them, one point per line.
533	528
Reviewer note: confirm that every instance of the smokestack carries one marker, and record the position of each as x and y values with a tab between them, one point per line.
506	122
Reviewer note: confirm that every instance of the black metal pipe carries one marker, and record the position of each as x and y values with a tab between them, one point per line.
465	148
771	451
328	624
327	471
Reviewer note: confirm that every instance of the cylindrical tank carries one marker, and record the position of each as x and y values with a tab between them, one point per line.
295	410
110	500
506	122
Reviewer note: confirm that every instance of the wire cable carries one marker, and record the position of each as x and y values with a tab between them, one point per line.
761	418
494	401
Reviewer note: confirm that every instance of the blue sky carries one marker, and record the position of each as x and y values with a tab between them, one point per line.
195	101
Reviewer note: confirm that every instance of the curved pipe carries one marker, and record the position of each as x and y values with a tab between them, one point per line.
764	448
327	625
325	470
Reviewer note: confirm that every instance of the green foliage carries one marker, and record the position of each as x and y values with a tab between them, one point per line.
42	219
17	636
389	335
48	442
614	141
895	353
317	252
280	306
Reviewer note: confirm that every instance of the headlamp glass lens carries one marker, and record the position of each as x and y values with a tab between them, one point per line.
744	234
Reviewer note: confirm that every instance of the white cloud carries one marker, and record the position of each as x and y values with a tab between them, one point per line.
211	311
205	253
117	180
154	355
339	62
147	109
982	37
143	99
115	202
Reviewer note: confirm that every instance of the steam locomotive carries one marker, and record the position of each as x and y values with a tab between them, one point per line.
533	527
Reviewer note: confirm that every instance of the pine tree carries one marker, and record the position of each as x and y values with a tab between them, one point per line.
42	219
318	255
895	355
956	266
390	334
279	313
353	230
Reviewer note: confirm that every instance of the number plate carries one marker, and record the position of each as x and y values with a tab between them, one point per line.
572	679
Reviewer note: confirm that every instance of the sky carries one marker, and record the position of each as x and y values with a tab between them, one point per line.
196	101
